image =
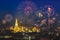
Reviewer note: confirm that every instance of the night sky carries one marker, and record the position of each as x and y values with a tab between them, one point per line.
10	6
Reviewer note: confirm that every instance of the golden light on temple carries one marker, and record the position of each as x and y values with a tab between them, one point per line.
16	23
18	28
35	29
30	30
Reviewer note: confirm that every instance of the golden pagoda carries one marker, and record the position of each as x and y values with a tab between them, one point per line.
16	27
22	28
35	29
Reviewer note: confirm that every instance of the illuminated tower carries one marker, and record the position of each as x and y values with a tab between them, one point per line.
16	23
16	27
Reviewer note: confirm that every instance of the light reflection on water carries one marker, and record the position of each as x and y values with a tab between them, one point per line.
6	36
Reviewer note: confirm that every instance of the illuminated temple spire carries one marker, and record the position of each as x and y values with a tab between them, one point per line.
16	27
16	23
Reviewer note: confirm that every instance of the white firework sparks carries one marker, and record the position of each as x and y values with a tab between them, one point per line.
39	14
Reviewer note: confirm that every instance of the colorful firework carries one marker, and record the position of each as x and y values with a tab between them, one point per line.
25	11
27	8
39	14
8	17
49	10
